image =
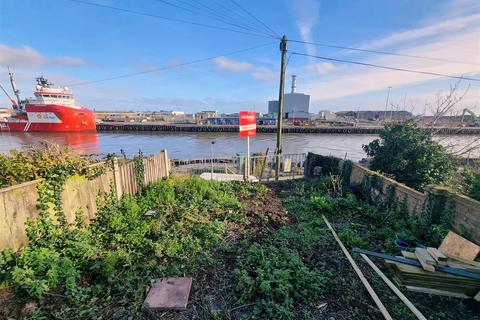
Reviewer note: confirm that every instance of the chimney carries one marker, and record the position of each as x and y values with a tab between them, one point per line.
294	83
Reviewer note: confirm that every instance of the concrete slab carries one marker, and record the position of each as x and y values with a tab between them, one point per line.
169	294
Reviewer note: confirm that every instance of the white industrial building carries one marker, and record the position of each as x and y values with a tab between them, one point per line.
295	106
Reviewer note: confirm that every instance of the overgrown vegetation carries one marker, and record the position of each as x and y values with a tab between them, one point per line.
471	183
40	161
254	253
408	154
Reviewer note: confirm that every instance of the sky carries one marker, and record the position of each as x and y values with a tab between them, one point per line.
143	58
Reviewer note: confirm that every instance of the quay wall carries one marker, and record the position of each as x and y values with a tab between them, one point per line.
465	221
263	129
18	203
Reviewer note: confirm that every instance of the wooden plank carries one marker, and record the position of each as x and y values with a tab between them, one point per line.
437	292
436	254
399	293
453	271
425	259
409	255
475	264
364	280
458	246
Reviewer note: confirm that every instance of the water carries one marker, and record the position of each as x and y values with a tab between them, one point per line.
197	145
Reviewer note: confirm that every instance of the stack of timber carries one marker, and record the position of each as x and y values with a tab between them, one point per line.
454	252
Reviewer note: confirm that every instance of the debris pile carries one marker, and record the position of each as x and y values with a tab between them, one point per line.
450	270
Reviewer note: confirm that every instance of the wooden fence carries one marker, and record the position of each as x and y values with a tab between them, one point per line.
19	203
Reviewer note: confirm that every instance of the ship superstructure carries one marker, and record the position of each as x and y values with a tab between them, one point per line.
51	109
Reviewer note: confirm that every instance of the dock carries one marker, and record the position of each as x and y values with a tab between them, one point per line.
125	127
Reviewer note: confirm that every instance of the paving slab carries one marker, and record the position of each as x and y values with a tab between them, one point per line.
169	294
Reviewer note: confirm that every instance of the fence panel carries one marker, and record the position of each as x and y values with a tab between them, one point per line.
261	167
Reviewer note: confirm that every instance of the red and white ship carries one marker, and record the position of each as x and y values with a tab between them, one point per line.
52	109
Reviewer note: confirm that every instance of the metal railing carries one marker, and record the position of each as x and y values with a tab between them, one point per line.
262	167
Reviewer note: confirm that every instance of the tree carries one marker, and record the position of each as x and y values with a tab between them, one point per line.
407	153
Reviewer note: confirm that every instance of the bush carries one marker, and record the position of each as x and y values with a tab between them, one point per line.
408	154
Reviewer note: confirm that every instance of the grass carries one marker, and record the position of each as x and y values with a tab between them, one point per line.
254	253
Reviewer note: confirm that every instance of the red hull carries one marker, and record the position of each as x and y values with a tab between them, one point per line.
51	117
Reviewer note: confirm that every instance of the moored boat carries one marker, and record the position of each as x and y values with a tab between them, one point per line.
51	109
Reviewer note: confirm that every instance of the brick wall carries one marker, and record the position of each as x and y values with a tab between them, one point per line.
467	210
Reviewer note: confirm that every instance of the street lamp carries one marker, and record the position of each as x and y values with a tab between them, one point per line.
386	105
211	159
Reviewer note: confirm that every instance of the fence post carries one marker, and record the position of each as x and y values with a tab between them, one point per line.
117	179
167	164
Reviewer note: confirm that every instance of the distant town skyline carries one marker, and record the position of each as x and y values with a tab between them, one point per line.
96	42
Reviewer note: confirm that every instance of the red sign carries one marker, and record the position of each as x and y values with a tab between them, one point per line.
248	123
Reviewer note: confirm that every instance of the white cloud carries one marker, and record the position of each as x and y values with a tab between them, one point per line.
445	40
443	27
258	72
323	67
20	57
232	65
307	14
27	57
67	61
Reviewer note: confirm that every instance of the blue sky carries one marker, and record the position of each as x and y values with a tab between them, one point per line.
70	43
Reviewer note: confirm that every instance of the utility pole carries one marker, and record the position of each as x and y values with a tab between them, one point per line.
278	150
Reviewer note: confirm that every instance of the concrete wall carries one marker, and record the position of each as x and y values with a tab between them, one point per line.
19	203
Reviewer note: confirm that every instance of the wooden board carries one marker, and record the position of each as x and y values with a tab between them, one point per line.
436	254
438	292
359	272
425	260
458	246
389	283
409	255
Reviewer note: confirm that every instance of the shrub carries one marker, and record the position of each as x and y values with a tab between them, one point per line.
408	153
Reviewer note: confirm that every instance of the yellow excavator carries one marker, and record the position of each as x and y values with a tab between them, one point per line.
475	119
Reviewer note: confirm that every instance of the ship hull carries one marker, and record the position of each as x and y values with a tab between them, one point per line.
51	117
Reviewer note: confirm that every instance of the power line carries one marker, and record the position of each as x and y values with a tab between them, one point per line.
127	75
385	67
236	15
174	5
219	17
166	18
216	12
256	19
383	52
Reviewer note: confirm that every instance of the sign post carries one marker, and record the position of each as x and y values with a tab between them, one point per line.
248	128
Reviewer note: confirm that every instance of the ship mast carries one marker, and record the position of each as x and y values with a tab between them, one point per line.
14	103
14	88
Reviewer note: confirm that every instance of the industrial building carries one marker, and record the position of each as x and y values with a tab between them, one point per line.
296	105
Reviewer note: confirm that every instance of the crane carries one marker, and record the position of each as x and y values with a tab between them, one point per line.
476	120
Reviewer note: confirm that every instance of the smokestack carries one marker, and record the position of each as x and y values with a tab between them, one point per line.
294	83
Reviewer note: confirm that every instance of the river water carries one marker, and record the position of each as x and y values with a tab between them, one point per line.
197	145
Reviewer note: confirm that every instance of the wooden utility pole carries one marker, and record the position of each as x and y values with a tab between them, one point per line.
278	150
